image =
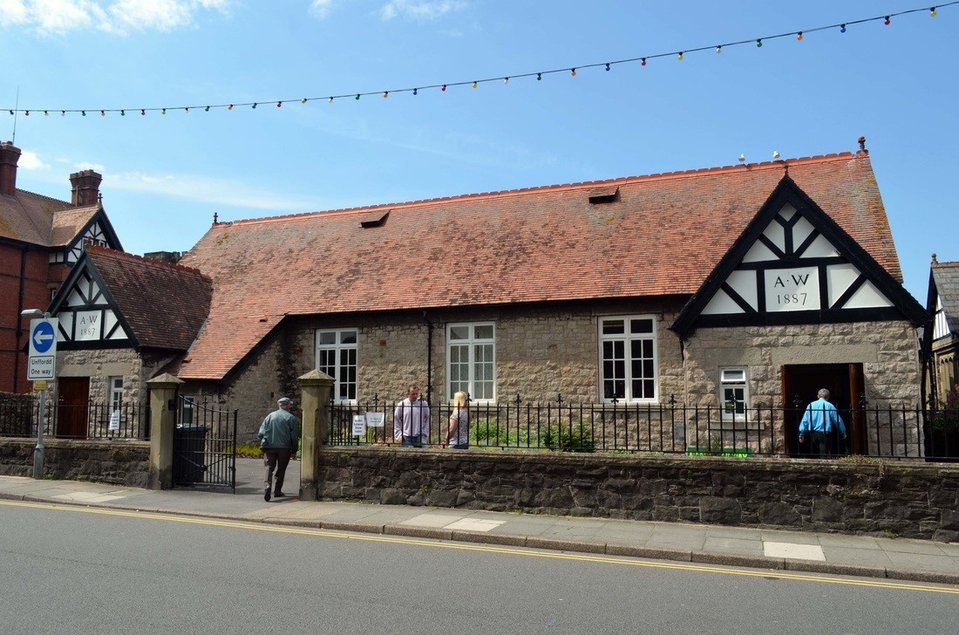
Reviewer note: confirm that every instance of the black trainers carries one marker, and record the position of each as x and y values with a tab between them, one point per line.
279	494
266	495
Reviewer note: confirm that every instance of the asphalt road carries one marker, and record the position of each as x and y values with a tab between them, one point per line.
80	570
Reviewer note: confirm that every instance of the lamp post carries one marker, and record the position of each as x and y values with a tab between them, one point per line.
42	384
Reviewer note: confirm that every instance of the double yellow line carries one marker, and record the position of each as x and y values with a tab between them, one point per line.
515	551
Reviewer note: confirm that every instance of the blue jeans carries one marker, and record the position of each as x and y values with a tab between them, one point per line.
460	446
415	441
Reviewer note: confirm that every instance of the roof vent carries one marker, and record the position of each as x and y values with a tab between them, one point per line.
377	222
604	195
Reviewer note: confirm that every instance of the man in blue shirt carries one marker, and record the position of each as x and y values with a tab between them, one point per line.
819	420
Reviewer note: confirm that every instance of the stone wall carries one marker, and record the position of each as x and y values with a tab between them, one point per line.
125	463
857	496
102	364
887	350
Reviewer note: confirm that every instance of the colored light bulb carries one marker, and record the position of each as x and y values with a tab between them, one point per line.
443	88
842	28
26	113
799	36
719	49
207	109
506	80
386	94
680	58
539	76
886	21
122	113
475	84
279	103
230	107
163	112
83	112
607	65
357	98
143	112
103	113
759	43
303	101
254	105
933	12
572	72
643	62
415	91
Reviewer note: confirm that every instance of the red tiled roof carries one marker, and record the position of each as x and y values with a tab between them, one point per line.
164	304
662	235
28	217
68	223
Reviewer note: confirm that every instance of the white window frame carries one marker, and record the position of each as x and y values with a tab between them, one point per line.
480	362
615	357
344	388
732	379
115	388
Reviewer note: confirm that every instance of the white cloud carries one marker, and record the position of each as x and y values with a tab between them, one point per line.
420	10
30	161
56	17
207	190
321	8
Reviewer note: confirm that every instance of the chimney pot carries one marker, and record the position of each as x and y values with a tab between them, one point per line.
86	188
9	155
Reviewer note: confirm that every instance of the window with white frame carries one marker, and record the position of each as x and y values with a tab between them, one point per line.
734	392
628	358
336	356
187	405
116	393
471	360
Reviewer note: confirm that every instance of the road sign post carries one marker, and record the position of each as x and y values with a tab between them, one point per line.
41	366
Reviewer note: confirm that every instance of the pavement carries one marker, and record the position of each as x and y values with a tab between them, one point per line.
839	554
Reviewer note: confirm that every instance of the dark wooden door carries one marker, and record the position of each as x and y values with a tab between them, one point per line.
72	407
845	383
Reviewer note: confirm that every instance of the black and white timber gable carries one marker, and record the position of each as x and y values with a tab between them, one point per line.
98	231
793	264
89	317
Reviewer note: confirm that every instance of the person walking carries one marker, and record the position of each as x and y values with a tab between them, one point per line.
458	437
411	420
279	438
819	420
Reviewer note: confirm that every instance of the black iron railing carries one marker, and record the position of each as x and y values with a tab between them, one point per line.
92	421
893	431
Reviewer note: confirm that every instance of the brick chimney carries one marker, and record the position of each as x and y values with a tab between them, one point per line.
9	155
86	188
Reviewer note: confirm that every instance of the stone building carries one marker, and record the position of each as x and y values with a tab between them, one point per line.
744	285
41	238
942	339
122	318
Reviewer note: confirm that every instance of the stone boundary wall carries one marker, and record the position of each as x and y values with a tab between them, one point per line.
125	463
864	496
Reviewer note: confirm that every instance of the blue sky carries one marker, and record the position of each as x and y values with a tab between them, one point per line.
166	175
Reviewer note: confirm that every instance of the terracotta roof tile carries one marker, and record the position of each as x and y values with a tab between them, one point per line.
662	236
164	304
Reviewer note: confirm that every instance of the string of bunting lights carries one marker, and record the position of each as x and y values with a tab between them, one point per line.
680	55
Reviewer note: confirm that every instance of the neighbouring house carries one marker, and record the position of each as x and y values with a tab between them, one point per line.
942	339
122	318
747	285
41	238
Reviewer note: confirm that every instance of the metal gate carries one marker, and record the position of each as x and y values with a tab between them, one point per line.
204	445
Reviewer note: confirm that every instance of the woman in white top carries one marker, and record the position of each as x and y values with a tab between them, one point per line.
458	437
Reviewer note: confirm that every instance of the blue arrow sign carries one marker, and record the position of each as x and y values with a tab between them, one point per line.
43	337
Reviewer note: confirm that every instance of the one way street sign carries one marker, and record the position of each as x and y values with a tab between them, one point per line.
42	363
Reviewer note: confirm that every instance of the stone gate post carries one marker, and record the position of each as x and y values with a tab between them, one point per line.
315	389
163	393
